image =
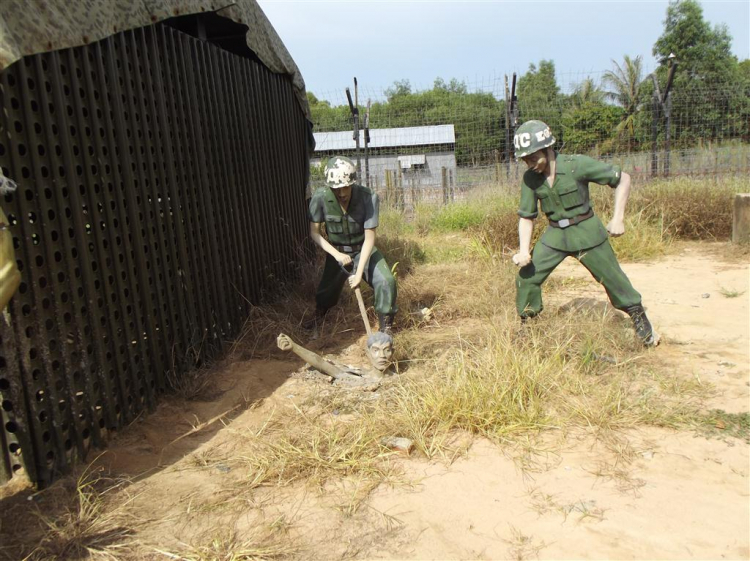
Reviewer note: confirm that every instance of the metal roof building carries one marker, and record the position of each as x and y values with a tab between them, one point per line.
405	165
386	138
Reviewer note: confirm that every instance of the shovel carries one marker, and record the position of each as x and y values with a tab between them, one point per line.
360	301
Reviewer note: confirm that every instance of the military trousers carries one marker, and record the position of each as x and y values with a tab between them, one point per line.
601	263
377	274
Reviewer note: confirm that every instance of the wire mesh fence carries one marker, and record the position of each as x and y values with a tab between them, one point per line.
438	143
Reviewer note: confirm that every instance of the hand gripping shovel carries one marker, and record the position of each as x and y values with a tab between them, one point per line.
360	301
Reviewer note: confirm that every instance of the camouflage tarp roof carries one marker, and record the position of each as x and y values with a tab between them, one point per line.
28	27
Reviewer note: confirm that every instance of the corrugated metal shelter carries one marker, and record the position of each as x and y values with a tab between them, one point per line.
161	154
405	165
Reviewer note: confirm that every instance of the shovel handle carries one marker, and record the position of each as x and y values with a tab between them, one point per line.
363	310
360	301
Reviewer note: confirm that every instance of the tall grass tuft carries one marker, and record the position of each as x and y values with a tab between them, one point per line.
94	527
686	208
643	239
229	545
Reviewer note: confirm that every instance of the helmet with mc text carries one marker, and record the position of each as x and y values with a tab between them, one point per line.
340	172
532	136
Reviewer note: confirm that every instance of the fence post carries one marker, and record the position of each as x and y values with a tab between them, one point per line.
655	135
444	177
668	114
451	185
354	109
388	189
400	187
507	129
741	218
367	143
511	116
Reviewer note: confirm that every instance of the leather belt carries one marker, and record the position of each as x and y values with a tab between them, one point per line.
348	248
565	222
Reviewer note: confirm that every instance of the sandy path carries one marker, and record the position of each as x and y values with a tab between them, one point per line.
706	334
684	497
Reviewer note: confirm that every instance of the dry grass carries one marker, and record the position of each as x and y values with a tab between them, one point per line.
730	292
314	447
473	371
658	213
232	545
99	524
686	208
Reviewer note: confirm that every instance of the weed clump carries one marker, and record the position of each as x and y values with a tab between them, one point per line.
97	525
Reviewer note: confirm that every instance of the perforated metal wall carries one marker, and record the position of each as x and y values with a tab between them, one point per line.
161	190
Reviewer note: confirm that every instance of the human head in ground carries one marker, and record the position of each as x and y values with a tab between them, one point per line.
380	350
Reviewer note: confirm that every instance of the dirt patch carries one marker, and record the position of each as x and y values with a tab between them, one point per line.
700	305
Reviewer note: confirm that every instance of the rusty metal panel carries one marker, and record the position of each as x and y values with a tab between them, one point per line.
161	193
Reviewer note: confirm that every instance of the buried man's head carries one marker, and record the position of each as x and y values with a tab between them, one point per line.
380	350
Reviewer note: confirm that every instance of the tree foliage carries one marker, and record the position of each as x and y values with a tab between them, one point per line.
539	95
706	67
625	83
704	53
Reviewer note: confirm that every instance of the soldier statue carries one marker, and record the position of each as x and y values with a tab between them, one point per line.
350	213
560	183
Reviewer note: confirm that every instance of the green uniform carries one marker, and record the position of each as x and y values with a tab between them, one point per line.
346	232
587	240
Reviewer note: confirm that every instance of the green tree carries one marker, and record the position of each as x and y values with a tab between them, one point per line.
399	88
539	96
586	92
327	118
703	52
708	101
744	68
625	89
588	127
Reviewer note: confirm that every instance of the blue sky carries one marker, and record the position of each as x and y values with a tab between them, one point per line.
478	42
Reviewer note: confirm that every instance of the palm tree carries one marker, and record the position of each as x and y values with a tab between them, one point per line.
587	92
626	81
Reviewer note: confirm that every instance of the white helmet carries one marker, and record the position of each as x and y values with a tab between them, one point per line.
340	172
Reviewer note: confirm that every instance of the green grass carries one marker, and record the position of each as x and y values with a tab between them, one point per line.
730	292
717	423
456	217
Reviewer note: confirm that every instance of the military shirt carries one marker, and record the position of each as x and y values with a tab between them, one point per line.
568	197
345	228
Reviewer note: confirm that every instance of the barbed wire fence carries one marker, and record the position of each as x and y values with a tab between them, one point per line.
437	144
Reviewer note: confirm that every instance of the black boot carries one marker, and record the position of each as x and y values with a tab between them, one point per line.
642	326
385	323
315	320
